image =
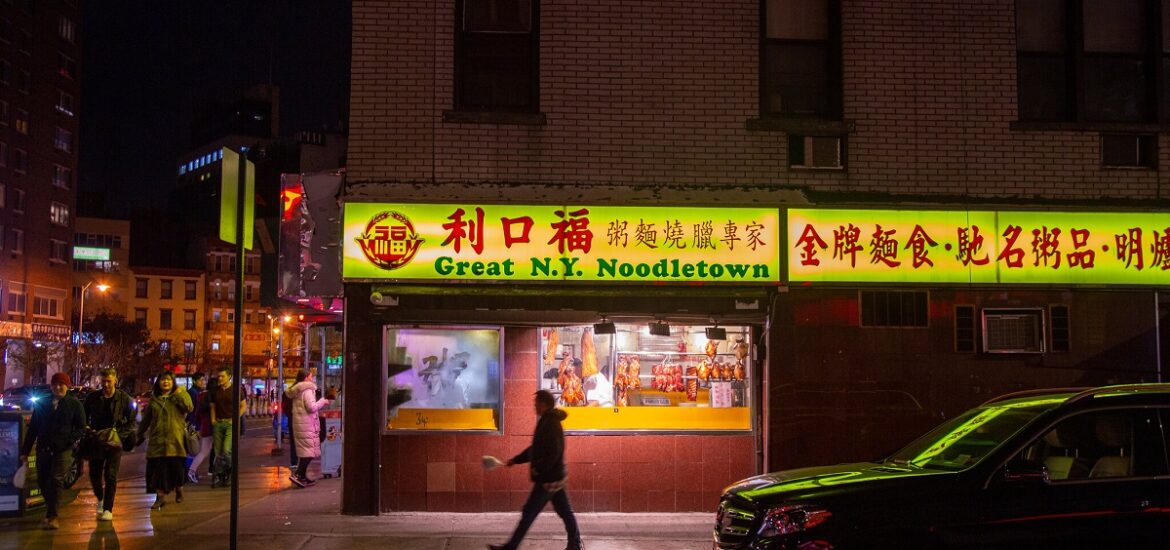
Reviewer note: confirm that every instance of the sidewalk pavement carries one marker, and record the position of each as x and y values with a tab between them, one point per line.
274	515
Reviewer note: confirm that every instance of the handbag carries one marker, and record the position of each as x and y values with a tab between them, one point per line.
106	438
19	479
194	441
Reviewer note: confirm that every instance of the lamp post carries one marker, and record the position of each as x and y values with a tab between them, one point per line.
279	332
81	329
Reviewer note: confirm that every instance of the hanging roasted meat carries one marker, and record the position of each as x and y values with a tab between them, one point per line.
550	350
573	395
740	373
634	373
711	349
703	370
564	370
588	354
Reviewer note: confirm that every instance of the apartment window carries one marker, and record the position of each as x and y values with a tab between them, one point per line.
248	293
231	292
496	61
23	81
18	201
164	347
188	290
64	103
215	344
5	72
5	31
167	289
188	319
164	319
66	66
1129	151
141	288
880	308
800	67
62	176
188	349
62	139
3	113
231	316
46	307
248	317
58	213
3	154
3	195
58	251
216	315
816	152
66	29
21	125
1093	60
140	316
20	161
17	299
17	241
24	41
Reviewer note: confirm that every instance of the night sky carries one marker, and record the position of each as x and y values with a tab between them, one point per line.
145	65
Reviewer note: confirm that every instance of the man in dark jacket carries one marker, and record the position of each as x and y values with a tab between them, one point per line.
546	468
107	408
56	425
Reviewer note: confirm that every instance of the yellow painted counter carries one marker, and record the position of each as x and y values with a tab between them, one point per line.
443	419
657	418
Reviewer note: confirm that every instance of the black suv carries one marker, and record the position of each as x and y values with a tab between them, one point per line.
1061	468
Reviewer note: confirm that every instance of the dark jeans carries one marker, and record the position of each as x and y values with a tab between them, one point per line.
51	469
292	448
303	467
536	501
103	467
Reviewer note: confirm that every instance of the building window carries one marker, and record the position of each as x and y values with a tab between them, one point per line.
62	176
880	308
18	201
1091	61
188	290
215	344
66	66
247	317
46	307
24	42
248	293
23	81
141	288
800	67
62	140
21	125
188	319
216	315
164	319
18	241
66	29
164	348
167	289
20	161
5	31
815	152
3	195
3	113
496	61
64	103
140	316
231	316
188	350
1129	151
58	251
3	154
5	72
16	300
59	213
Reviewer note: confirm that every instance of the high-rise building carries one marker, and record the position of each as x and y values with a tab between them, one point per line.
39	97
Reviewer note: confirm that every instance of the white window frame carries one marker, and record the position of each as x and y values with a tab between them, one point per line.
59	213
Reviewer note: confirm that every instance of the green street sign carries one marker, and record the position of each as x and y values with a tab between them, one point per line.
229	195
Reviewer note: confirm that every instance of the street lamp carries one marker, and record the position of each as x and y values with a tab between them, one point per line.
279	332
102	287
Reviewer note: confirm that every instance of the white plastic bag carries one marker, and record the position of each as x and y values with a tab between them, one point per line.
491	463
18	479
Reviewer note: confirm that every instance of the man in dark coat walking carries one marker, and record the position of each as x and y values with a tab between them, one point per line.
57	423
546	468
108	408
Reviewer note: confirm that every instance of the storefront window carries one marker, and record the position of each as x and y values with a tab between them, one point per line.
635	380
443	378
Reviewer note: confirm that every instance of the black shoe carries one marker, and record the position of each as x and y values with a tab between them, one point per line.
297	481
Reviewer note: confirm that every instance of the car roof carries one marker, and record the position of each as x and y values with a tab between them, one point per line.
1128	394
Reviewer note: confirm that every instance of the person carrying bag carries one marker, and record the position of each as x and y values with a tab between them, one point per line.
110	432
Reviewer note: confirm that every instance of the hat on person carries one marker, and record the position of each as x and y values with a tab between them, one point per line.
60	378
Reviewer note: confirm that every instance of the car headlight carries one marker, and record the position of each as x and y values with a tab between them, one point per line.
33	399
786	520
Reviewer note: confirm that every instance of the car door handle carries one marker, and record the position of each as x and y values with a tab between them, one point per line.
1134	504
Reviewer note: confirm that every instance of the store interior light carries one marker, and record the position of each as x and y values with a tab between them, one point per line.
716	333
659	328
604	327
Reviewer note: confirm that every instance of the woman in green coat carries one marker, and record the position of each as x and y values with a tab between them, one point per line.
164	423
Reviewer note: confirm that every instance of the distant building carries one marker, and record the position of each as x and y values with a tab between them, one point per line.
40	92
170	303
101	256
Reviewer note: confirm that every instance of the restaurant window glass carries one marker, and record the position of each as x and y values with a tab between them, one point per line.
443	378
635	380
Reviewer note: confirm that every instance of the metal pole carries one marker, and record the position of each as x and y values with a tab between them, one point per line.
77	346
1157	337
280	382
237	364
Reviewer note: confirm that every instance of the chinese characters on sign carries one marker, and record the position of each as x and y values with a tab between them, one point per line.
978	247
583	243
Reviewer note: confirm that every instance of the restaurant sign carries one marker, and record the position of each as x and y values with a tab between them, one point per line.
895	246
560	243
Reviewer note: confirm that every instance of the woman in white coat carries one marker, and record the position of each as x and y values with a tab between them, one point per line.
306	428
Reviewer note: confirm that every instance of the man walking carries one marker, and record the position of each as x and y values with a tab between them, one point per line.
546	468
57	423
224	412
200	419
108	408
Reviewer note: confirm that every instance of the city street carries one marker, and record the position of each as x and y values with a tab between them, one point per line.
275	515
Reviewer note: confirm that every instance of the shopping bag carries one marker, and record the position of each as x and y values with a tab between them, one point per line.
19	479
194	441
491	463
108	437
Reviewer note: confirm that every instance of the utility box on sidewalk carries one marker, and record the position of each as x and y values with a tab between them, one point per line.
331	443
13	501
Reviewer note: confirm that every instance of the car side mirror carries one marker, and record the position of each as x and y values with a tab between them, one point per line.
1027	472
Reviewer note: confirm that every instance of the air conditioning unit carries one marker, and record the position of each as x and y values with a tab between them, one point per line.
1019	330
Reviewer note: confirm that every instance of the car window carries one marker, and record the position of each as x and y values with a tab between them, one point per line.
964	440
1120	443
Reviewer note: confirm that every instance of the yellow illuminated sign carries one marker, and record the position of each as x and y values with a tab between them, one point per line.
560	243
927	246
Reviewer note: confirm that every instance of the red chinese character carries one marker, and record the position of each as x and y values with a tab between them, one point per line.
470	230
1161	249
616	234
729	235
808	243
1013	256
674	235
703	232
970	245
525	224
1083	258
845	242
919	240
754	240
883	247
645	234
573	232
1045	245
1129	248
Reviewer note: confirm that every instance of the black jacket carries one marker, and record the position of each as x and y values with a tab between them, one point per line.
102	413
55	430
546	455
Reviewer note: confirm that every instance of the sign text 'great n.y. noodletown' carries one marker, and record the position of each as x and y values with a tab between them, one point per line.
560	243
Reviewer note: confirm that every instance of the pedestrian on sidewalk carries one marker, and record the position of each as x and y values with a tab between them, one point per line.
546	468
286	406
202	422
56	426
108	409
224	412
165	424
305	425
